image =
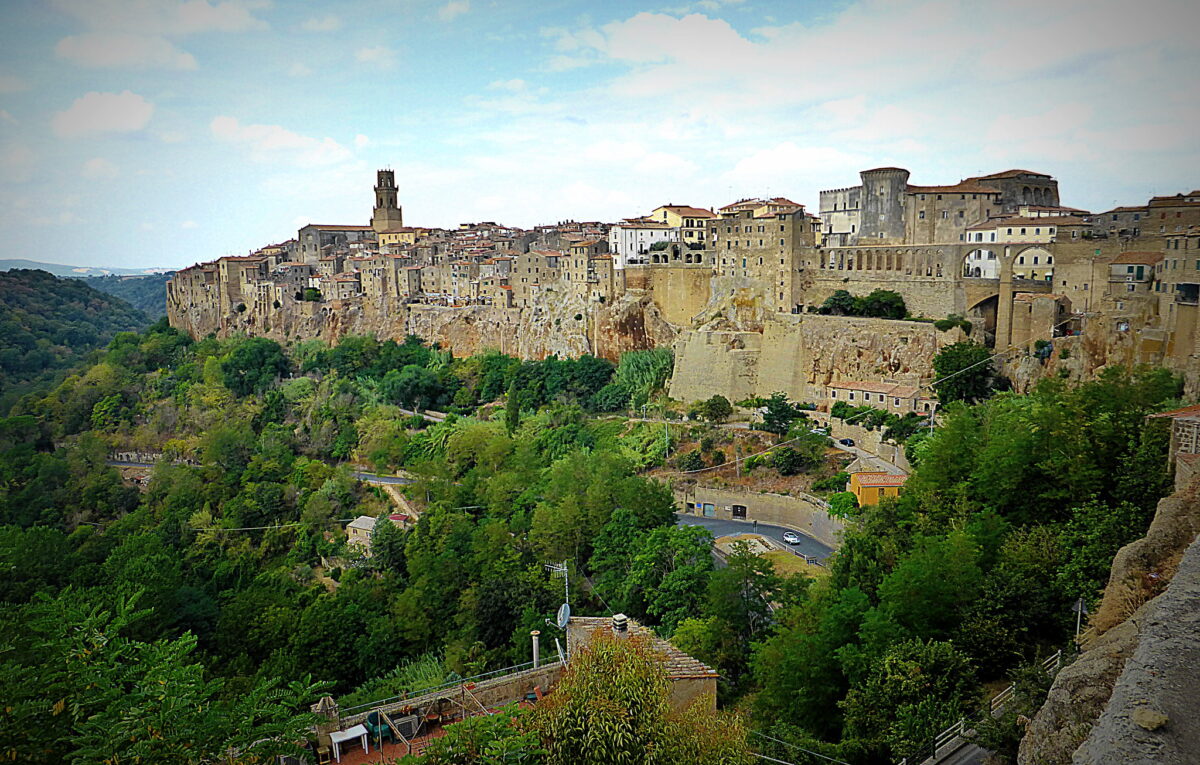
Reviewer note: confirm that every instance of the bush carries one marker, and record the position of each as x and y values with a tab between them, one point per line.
836	482
716	457
843	504
787	461
693	460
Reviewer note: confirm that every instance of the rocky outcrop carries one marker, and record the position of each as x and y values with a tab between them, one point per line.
1130	696
1154	712
561	322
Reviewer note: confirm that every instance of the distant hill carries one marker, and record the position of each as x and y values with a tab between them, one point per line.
49	325
58	269
147	293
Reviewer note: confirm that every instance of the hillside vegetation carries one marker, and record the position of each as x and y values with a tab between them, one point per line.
49	325
146	293
232	579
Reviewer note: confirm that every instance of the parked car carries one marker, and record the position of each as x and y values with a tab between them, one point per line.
820	431
846	441
791	537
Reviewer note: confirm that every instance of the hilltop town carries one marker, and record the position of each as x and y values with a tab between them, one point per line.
741	292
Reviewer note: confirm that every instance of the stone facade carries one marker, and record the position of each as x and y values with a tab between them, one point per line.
740	292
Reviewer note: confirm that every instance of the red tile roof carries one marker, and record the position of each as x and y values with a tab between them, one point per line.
880	479
1138	258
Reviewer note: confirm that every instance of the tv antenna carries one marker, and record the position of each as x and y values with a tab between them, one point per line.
558	571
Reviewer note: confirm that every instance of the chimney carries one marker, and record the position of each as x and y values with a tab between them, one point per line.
620	625
534	634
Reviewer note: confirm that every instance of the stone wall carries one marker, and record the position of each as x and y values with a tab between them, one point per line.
802	513
801	354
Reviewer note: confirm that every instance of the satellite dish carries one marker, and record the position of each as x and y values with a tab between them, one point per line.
564	616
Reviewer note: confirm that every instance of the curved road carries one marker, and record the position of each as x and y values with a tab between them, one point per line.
719	528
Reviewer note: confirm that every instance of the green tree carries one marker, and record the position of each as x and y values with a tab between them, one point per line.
884	304
252	365
780	413
715	409
964	372
911	694
611	706
840	303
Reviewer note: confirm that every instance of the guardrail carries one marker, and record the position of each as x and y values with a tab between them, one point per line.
953	737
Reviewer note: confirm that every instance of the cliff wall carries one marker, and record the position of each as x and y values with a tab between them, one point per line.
1130	695
801	354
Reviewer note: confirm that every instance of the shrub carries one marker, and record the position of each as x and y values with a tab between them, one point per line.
836	482
690	461
787	461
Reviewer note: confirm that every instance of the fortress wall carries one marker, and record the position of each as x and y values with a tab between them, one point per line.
710	363
801	354
680	292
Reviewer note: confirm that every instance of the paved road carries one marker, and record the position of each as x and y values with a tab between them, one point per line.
359	474
720	528
373	478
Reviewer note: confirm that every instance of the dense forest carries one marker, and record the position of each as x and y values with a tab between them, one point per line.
49	325
227	575
146	293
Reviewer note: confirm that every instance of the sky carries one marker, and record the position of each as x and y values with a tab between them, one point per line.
161	133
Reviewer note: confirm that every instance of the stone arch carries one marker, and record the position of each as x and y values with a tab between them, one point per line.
1024	267
1026	196
981	263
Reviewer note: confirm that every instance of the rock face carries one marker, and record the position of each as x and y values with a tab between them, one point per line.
801	354
1131	697
560	323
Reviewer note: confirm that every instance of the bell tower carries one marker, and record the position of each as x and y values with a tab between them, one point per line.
387	215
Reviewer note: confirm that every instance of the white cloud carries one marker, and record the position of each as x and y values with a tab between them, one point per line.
115	50
165	17
17	160
453	9
328	23
124	34
299	70
274	143
189	224
10	83
65	218
380	55
514	85
361	141
122	112
99	168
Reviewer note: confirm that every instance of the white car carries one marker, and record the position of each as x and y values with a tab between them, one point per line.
791	537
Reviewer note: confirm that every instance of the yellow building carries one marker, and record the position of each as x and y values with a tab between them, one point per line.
870	488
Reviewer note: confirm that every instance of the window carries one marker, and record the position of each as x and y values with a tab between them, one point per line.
1049	259
895	402
781	245
945	214
1037	231
1129	288
1021	260
833	394
1035	260
1022	232
1010	234
921	215
960	213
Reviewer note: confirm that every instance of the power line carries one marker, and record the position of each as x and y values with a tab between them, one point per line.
794	746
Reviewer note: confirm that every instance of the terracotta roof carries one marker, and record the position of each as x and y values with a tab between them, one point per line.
1138	258
895	390
679	665
880	169
1006	174
1125	209
962	187
337	227
1055	220
688	211
1178	414
880	479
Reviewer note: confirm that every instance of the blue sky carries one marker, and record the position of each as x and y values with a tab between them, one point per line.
166	132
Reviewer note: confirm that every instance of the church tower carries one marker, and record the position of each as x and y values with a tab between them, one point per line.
387	215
